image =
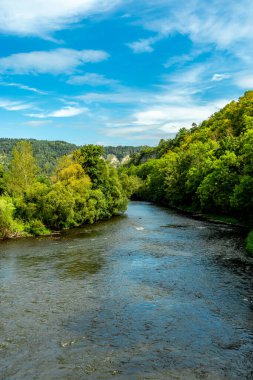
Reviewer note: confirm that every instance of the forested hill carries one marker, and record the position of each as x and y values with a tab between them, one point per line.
122	151
48	152
208	168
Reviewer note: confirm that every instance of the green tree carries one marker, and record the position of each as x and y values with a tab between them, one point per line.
22	169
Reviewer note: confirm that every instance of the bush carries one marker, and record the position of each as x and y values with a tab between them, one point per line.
36	228
6	217
249	242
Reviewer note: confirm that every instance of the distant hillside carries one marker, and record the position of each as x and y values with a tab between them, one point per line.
122	151
48	152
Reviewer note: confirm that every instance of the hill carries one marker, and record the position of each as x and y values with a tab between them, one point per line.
48	152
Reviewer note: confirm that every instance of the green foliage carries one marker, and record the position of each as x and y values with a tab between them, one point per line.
22	169
36	228
6	216
131	184
45	152
83	189
249	243
207	168
2	180
91	158
121	151
8	225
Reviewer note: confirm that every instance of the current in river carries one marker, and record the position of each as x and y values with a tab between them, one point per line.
152	294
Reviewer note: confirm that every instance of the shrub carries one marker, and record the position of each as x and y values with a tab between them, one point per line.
249	242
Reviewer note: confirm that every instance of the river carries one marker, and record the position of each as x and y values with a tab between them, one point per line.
152	295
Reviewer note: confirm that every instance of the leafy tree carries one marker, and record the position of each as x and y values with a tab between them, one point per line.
22	169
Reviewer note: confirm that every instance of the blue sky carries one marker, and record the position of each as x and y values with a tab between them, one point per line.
118	72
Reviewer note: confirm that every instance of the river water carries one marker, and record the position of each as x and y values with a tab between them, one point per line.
149	295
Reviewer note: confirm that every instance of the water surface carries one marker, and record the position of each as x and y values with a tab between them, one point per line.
149	295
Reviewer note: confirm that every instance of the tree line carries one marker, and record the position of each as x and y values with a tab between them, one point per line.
208	168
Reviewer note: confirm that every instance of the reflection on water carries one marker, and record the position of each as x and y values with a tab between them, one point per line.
150	295
73	262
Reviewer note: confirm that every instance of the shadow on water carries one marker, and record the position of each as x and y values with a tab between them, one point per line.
73	264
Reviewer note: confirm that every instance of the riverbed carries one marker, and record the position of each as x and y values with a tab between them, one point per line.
152	294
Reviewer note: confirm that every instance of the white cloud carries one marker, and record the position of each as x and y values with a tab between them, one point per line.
91	79
160	113
55	62
68	112
219	77
37	123
175	103
226	25
43	17
188	76
23	87
11	105
143	45
245	80
174	115
123	96
61	113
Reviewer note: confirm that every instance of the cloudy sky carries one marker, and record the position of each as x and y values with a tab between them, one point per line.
119	72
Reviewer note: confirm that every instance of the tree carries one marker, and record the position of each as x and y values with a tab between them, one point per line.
90	157
22	169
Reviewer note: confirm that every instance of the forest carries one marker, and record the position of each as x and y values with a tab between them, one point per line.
84	188
207	169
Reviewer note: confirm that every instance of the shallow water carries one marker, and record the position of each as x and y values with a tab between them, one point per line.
149	295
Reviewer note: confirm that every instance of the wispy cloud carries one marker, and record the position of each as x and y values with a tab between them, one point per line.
43	17
23	87
91	79
54	62
187	76
219	77
217	23
143	45
245	80
11	105
159	113
37	123
60	113
119	95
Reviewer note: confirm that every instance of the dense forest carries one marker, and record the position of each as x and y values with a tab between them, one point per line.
84	188
48	152
207	169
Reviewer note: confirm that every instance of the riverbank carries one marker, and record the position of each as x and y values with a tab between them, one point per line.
226	220
247	231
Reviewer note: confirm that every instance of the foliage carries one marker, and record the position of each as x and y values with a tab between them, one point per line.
208	168
249	242
84	188
22	169
8	225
